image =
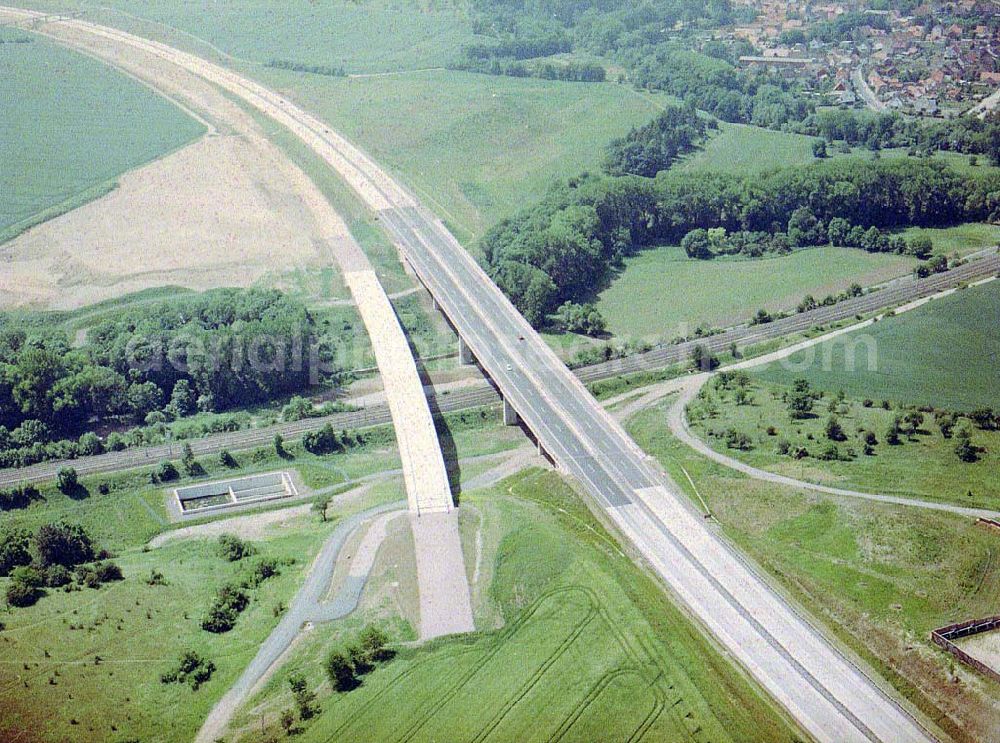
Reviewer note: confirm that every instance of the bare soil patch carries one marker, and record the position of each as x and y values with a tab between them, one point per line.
229	210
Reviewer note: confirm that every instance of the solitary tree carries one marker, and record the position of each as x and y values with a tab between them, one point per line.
834	431
190	464
340	671
964	449
800	400
320	505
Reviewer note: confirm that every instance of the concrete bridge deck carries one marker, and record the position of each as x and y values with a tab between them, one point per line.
424	472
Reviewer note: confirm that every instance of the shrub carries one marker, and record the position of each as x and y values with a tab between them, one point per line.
227	460
156	578
22	594
14	550
67	480
230	601
164	472
830	454
233	549
108	571
341	671
191	669
57	576
63	544
374	642
323	441
738	440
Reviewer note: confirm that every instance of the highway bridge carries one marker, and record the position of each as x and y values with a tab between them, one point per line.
828	694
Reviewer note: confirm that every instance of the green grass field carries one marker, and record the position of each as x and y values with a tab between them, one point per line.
86	665
124	635
71	126
375	36
942	354
924	465
961	239
881	577
475	147
590	649
740	148
662	293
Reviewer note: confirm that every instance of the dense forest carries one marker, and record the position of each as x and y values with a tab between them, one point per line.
565	247
218	350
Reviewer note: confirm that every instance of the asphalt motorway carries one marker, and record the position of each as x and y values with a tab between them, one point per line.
826	693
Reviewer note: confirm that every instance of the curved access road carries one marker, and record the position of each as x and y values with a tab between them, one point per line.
830	695
308	606
689	386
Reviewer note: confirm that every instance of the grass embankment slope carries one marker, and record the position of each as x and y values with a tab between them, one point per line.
375	36
72	125
942	354
590	648
475	147
881	576
662	293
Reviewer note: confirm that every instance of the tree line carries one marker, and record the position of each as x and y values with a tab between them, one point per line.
565	247
215	351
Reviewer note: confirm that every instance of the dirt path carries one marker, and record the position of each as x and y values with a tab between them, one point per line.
250	526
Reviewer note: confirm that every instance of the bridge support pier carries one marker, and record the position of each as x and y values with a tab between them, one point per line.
510	417
464	353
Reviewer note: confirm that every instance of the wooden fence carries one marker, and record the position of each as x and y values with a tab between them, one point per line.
943	637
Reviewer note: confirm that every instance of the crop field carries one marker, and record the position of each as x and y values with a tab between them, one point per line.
590	649
880	576
60	108
923	465
662	293
942	354
476	147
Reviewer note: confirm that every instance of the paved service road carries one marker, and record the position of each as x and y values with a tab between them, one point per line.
307	606
823	690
